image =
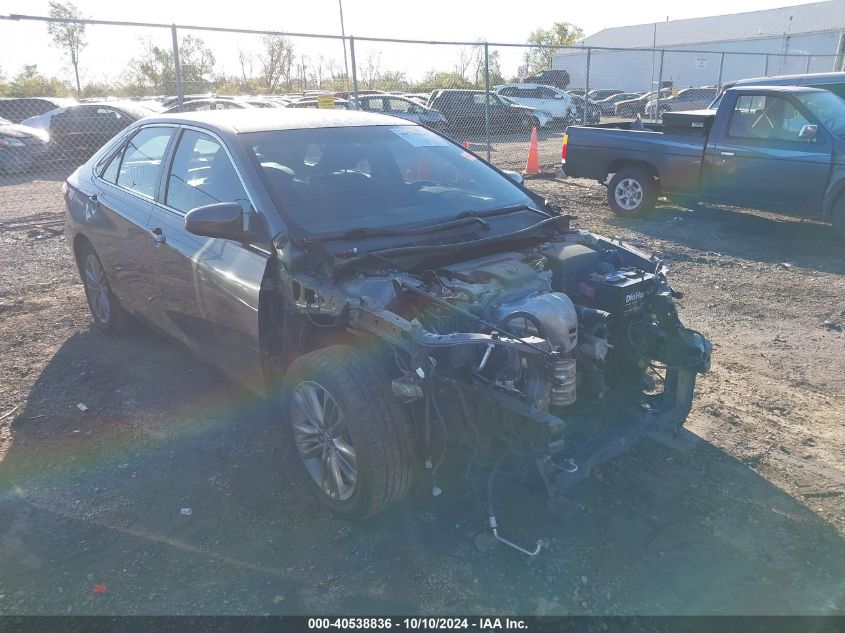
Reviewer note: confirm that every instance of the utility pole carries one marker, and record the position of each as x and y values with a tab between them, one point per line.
343	34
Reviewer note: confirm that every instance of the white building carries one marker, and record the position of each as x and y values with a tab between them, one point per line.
705	51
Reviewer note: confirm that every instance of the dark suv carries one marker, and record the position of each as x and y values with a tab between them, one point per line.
465	111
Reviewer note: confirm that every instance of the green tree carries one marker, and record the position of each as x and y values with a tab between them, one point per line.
275	61
31	83
155	71
560	34
68	36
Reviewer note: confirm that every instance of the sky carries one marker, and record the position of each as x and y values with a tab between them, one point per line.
111	48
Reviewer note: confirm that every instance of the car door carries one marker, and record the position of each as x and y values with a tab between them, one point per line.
757	159
207	287
116	213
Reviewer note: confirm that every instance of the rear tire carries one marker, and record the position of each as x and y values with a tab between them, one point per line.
351	435
632	192
838	217
109	315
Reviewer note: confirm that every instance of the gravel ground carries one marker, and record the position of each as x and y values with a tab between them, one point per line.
744	513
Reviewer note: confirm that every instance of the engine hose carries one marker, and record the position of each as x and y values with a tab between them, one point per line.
445	439
494	526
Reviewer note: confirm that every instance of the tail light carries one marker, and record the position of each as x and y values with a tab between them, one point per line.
66	192
563	149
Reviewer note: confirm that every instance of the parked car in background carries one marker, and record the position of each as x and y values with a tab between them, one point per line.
17	109
589	114
552	77
833	82
78	131
21	147
340	104
598	95
687	99
419	97
202	105
403	108
775	148
634	107
260	102
169	102
607	106
551	101
465	111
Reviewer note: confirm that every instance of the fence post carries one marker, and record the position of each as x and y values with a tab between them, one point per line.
180	95
354	73
809	57
487	98
659	86
586	87
766	69
721	68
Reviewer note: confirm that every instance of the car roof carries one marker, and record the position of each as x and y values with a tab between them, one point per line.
272	119
793	79
781	89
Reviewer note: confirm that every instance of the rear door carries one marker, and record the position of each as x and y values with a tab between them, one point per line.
207	288
117	211
757	160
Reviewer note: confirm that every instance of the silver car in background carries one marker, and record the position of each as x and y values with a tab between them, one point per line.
402	107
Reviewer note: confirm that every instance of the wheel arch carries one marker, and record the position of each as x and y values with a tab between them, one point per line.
629	163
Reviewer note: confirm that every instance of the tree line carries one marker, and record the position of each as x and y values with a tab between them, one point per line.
273	67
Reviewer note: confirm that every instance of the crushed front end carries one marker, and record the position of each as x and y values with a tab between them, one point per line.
563	352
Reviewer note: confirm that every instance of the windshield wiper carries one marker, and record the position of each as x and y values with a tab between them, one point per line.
463	218
502	211
365	231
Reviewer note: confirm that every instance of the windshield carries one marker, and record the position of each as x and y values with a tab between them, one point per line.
827	108
335	179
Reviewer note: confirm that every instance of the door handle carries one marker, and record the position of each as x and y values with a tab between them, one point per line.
158	236
728	153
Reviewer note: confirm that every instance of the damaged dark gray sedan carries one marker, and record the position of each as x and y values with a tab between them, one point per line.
405	302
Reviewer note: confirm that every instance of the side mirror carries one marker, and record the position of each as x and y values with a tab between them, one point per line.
515	176
223	219
808	132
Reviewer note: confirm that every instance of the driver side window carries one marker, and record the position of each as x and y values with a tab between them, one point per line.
766	117
202	174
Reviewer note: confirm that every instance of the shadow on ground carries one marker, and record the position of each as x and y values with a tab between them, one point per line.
743	234
97	497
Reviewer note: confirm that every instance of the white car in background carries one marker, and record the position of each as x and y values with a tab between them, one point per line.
551	101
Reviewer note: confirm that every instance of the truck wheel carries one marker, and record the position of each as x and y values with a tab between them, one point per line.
838	217
352	437
108	314
632	192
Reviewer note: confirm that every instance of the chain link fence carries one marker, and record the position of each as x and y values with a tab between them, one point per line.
73	84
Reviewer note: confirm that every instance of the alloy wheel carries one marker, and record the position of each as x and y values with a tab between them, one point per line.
97	289
628	194
323	440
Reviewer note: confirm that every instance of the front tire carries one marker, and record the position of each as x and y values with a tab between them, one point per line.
352	437
109	315
632	192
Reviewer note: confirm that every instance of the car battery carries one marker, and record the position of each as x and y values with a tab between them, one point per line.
622	291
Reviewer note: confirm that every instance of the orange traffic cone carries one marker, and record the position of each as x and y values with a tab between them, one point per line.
466	144
532	165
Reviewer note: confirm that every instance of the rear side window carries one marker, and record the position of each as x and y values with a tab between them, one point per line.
202	174
141	164
109	173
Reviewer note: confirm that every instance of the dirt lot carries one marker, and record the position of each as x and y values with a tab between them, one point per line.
744	513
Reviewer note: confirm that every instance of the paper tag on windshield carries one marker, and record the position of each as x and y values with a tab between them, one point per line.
419	136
